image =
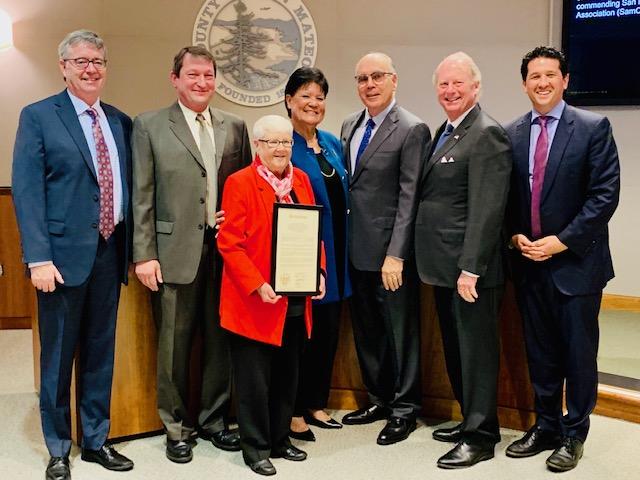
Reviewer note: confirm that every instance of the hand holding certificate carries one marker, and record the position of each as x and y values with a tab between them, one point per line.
295	258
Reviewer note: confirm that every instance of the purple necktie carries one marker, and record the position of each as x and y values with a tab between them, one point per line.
539	167
105	178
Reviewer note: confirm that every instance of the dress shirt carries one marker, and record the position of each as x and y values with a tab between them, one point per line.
86	123
194	126
552	125
359	132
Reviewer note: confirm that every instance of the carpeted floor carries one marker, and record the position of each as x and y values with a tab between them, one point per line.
349	453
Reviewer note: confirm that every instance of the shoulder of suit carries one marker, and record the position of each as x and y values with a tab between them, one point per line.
406	116
329	137
582	115
47	102
111	110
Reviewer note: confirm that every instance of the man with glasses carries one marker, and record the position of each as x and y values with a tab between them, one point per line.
384	146
71	171
182	156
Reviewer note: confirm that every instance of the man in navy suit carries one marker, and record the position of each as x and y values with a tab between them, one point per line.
71	175
565	188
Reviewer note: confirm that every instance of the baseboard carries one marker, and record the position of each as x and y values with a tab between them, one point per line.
620	302
15	323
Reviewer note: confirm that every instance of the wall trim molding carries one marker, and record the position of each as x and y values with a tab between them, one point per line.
620	302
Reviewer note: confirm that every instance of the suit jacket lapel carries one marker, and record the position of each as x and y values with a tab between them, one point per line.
457	135
69	118
179	127
219	134
558	147
350	130
521	154
118	136
389	124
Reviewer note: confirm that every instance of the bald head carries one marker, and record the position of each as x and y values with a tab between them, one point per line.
380	58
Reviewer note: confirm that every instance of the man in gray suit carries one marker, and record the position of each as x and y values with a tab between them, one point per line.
463	193
384	146
182	156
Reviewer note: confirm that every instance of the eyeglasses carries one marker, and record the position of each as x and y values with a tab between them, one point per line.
82	63
376	77
276	143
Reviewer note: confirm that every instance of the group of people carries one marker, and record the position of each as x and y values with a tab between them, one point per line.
178	193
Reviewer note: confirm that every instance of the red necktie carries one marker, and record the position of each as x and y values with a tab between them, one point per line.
539	167
105	178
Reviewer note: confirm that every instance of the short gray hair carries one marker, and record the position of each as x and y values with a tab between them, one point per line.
271	122
465	59
81	36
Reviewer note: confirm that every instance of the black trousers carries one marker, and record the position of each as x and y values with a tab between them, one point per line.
386	330
83	318
561	334
472	353
179	311
316	365
266	380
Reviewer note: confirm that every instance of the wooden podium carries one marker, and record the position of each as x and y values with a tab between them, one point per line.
133	405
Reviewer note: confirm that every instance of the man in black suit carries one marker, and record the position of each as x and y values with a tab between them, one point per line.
565	188
384	146
71	177
462	198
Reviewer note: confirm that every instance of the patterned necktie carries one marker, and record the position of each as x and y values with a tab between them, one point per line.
105	177
539	167
209	158
443	138
365	139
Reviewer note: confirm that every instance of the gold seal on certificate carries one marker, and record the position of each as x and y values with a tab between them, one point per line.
295	255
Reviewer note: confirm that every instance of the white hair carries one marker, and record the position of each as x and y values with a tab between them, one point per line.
272	123
81	36
464	59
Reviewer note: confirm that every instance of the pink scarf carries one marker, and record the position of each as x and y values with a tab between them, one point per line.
282	187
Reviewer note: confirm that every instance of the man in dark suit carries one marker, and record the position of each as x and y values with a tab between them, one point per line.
384	146
462	199
565	188
182	156
71	172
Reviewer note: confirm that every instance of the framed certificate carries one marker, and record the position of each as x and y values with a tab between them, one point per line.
295	249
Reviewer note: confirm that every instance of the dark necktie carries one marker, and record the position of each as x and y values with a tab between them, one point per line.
539	167
365	139
105	178
443	138
209	158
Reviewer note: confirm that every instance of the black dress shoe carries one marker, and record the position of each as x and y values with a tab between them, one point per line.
450	435
58	469
331	423
362	416
179	451
307	435
566	456
465	455
289	453
263	467
533	442
396	430
228	440
108	458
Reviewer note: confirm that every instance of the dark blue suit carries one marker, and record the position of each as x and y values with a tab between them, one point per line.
560	298
56	196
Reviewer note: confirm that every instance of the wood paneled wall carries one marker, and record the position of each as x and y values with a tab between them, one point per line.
16	293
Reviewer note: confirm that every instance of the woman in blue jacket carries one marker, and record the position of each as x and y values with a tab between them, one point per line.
319	154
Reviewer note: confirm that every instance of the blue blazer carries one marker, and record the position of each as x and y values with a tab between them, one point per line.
55	188
305	159
580	193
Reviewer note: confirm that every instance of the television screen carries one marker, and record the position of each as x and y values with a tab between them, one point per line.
602	44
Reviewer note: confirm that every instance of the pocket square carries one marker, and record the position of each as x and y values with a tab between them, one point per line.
444	160
451	160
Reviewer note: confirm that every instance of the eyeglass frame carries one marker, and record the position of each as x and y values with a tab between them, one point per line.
89	62
363	79
272	143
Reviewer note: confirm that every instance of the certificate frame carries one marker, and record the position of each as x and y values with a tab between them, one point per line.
301	277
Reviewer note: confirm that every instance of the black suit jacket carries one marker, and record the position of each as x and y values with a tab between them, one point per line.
463	194
383	188
580	192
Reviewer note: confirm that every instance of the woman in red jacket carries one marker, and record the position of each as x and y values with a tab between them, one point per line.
267	330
